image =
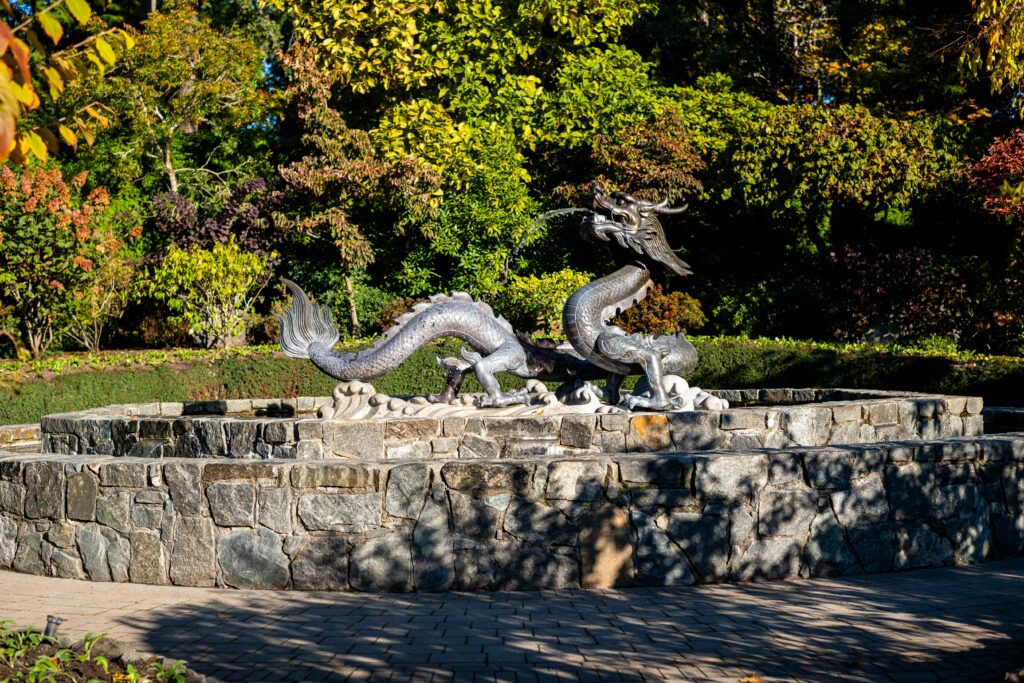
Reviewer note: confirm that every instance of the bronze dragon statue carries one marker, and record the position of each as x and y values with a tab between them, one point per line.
598	349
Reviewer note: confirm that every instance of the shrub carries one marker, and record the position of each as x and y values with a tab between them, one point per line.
534	304
662	313
213	290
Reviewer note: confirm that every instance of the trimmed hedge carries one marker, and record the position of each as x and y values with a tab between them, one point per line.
725	363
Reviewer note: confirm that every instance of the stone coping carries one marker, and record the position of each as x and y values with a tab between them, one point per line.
593	520
782	418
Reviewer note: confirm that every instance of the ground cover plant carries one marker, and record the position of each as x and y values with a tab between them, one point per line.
29	656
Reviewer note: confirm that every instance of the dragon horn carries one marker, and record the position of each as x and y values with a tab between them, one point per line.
666	210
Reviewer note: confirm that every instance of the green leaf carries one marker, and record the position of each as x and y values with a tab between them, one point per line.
107	52
80	9
52	27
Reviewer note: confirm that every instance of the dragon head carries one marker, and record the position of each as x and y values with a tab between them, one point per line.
634	224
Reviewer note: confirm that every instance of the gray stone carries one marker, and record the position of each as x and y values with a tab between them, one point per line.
826	552
278	432
148	563
658	562
406	490
210	435
408	450
29	557
919	546
193	561
808	426
886	413
696	430
146	517
663	472
744	418
242	437
730	477
475	446
433	556
971	535
488	477
645	499
12	498
335	475
363	440
577	431
705	538
309	449
533	426
473	517
536	569
44	490
123	474
252	559
113	510
865	503
184	482
119	552
61	534
92	546
576	480
454	426
786	513
873	546
8	541
232	504
321	565
848	412
768	558
66	566
421	429
444	446
352	513
382	564
82	490
537	523
785	468
275	509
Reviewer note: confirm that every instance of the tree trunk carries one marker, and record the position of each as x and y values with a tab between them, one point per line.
172	175
350	295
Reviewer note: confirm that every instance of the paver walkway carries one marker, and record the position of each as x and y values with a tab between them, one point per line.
951	624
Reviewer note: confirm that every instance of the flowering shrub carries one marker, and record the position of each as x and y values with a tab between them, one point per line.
52	240
662	313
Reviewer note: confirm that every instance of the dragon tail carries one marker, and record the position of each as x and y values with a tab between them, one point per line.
305	324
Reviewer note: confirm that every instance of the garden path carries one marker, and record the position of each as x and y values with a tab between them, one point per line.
949	624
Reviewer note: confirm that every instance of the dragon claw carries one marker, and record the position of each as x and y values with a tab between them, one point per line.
505	399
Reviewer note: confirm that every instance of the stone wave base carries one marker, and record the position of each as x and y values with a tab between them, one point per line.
589	521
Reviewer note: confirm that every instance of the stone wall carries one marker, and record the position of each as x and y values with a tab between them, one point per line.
440	524
210	429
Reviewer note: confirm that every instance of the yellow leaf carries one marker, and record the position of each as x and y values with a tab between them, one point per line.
68	135
26	94
80	9
36	145
104	121
54	79
52	27
129	42
100	66
107	52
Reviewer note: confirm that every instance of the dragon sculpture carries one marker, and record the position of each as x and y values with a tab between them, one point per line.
598	349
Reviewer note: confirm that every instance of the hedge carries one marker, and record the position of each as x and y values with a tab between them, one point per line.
724	363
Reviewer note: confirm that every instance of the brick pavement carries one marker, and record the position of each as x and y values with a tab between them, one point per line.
951	624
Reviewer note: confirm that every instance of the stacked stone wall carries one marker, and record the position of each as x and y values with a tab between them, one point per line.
585	520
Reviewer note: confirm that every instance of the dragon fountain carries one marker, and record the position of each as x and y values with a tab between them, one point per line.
596	348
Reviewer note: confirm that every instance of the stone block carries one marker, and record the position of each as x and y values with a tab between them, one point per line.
44	490
769	558
184	482
350	513
705	538
744	418
696	431
974	425
808	426
309	429
408	450
321	565
148	563
210	436
12	498
786	513
113	510
785	468
309	449
826	552
886	413
971	535
577	431
361	439
955	405
8	541
146	517
873	545
576	480
606	548
615	422
660	472
537	523
66	565
473	517
275	509
125	475
648	433
279	431
919	546
610	442
413	428
537	569
488	477
433	555
747	440
532	427
974	405
334	475
658	563
232	504
730	477
252	559
453	426
29	556
193	562
61	535
82	490
382	564
444	446
846	412
863	504
406	490
92	547
647	500
475	446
